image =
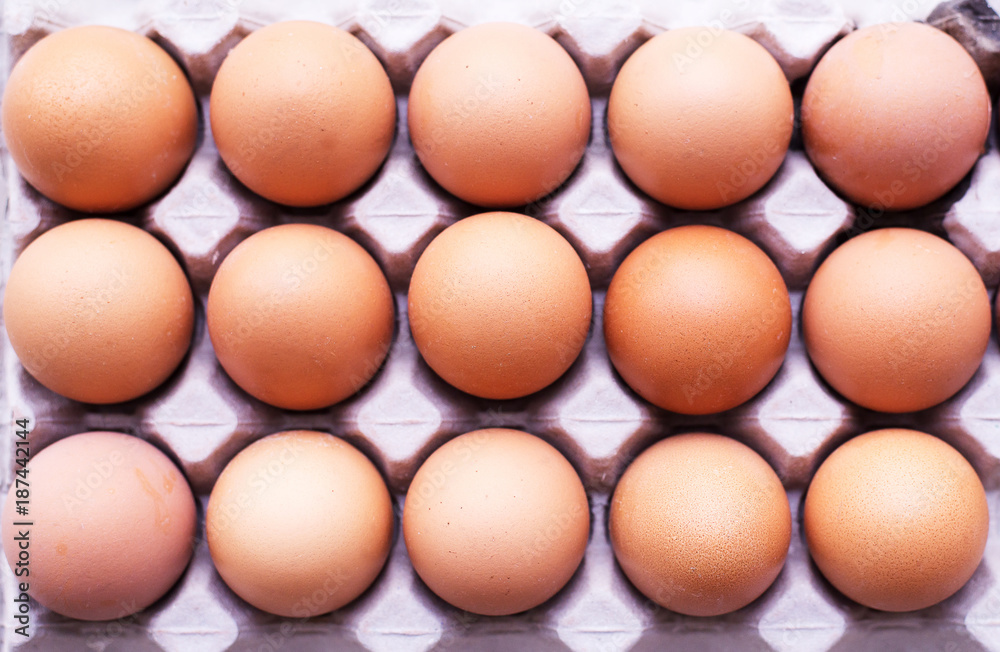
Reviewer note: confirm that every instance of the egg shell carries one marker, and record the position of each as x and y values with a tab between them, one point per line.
500	305
299	523
302	113
896	320
300	316
896	519
112	525
99	119
499	114
700	524
496	521
697	319
98	311
894	115
700	117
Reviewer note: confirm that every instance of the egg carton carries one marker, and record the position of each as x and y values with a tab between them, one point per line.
202	419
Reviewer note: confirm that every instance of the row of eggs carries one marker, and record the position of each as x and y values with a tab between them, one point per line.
495	522
103	120
697	319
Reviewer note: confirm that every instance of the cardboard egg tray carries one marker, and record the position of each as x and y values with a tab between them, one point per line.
202	419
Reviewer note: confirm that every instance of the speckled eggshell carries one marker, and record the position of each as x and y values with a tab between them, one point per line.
496	521
299	523
697	319
300	316
99	119
700	524
896	520
499	114
894	115
896	320
500	305
302	113
98	311
700	117
113	526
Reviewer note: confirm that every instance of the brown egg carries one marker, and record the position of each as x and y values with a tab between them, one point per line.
499	114
112	526
499	305
99	119
300	316
302	113
700	524
700	118
496	521
896	320
299	523
98	311
697	320
895	115
896	520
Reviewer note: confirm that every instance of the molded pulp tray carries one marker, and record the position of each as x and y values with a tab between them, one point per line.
201	419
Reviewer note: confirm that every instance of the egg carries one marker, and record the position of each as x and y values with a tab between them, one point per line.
700	117
896	520
98	311
697	319
299	523
895	115
99	119
496	521
302	113
896	320
109	528
499	114
700	524
300	316
499	305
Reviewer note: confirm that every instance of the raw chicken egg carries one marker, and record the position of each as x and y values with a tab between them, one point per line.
499	305
895	115
700	524
499	114
299	523
302	113
697	319
496	521
99	119
700	118
98	311
112	526
896	520
896	320
300	316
